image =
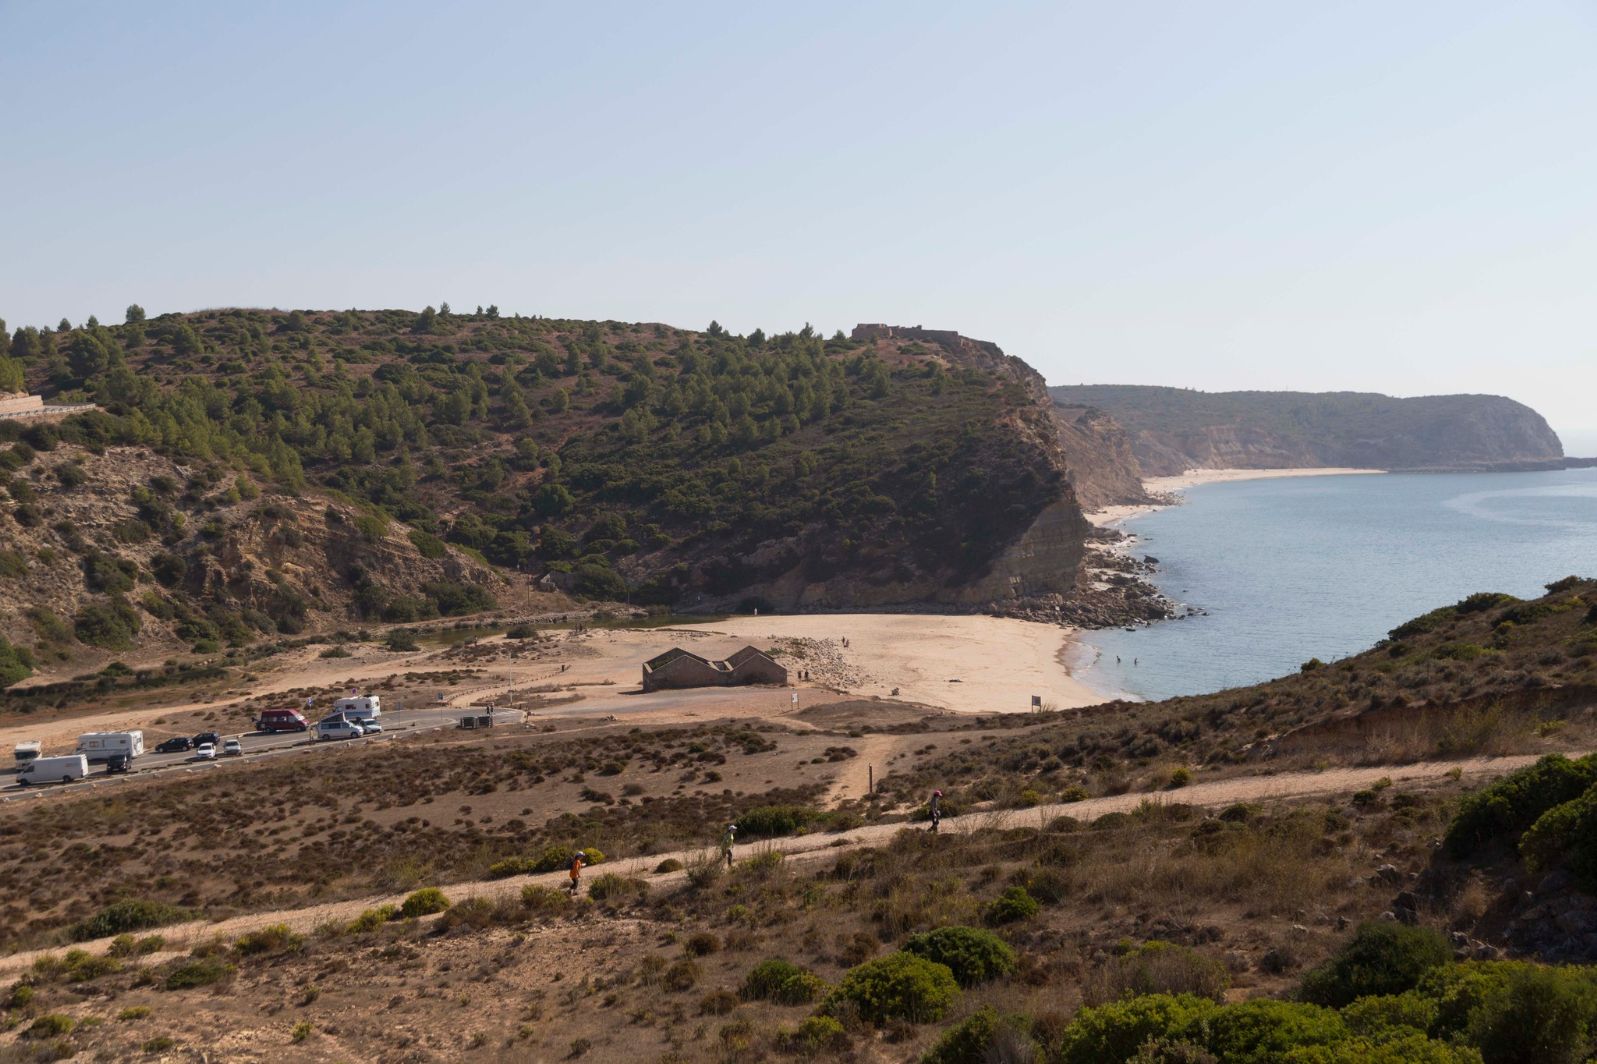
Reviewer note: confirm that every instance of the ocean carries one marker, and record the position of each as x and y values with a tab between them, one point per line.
1290	569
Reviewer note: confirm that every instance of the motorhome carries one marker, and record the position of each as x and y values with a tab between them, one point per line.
26	752
62	768
364	707
98	746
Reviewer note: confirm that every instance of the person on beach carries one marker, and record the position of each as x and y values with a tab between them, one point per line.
937	809
576	871
728	838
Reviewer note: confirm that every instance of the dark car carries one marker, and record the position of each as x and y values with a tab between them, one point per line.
207	737
175	745
118	763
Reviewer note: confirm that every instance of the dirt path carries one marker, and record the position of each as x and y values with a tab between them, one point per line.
818	846
854	780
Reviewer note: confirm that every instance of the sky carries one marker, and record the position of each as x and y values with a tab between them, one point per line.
1396	197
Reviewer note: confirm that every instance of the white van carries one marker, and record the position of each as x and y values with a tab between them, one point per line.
99	746
366	707
63	768
338	728
26	752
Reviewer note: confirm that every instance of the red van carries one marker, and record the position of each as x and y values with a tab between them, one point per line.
276	720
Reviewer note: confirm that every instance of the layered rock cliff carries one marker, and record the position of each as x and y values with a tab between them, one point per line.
1174	429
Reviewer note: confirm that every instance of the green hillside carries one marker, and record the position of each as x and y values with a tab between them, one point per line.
627	460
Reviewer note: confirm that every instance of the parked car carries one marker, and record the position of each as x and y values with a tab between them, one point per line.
175	745
204	752
207	737
118	763
338	728
281	720
370	727
232	748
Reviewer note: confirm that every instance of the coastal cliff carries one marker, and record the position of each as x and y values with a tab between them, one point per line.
1175	429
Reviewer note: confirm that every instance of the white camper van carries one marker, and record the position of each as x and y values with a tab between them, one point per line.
365	707
63	768
26	752
99	746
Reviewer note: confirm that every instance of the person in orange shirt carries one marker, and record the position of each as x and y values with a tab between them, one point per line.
576	871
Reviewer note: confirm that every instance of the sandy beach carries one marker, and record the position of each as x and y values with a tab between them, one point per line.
1114	515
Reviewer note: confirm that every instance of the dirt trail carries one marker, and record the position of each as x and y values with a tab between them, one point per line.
1285	786
854	780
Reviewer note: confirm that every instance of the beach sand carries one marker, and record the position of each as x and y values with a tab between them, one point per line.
1110	516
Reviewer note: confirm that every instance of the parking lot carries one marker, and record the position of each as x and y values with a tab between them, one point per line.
255	745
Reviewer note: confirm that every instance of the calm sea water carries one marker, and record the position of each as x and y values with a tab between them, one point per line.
1298	568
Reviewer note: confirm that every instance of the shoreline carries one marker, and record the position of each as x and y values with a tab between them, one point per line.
1170	486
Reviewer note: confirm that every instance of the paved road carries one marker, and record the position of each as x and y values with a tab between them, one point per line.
256	745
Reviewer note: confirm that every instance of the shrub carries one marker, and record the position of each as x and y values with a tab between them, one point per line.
681	975
769	821
1013	905
611	887
1509	806
83	966
110	625
275	938
50	1025
1515	1011
429	545
973	955
1113	1032
557	858
544	900
196	972
1567	833
981	1037
372	919
899	986
513	866
134	1012
1380	1015
670	864
1159	968
130	915
1384	958
702	944
782	982
159	1044
1262	1031
401	639
424	902
817	1034
1407	1048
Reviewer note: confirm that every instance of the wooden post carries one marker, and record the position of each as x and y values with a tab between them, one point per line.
870	779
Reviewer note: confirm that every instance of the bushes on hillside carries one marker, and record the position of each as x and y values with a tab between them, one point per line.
1566	833
1384	958
1508	807
899	986
983	1036
1013	905
16	664
973	955
770	821
782	982
424	902
1158	967
135	914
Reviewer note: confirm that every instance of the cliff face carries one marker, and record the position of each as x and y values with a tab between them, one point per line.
1173	429
1103	466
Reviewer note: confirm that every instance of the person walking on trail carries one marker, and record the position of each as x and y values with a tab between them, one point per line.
937	809
728	838
576	871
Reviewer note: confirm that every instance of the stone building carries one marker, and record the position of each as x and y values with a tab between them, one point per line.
682	668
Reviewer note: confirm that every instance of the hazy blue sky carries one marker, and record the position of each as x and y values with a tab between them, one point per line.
1373	195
